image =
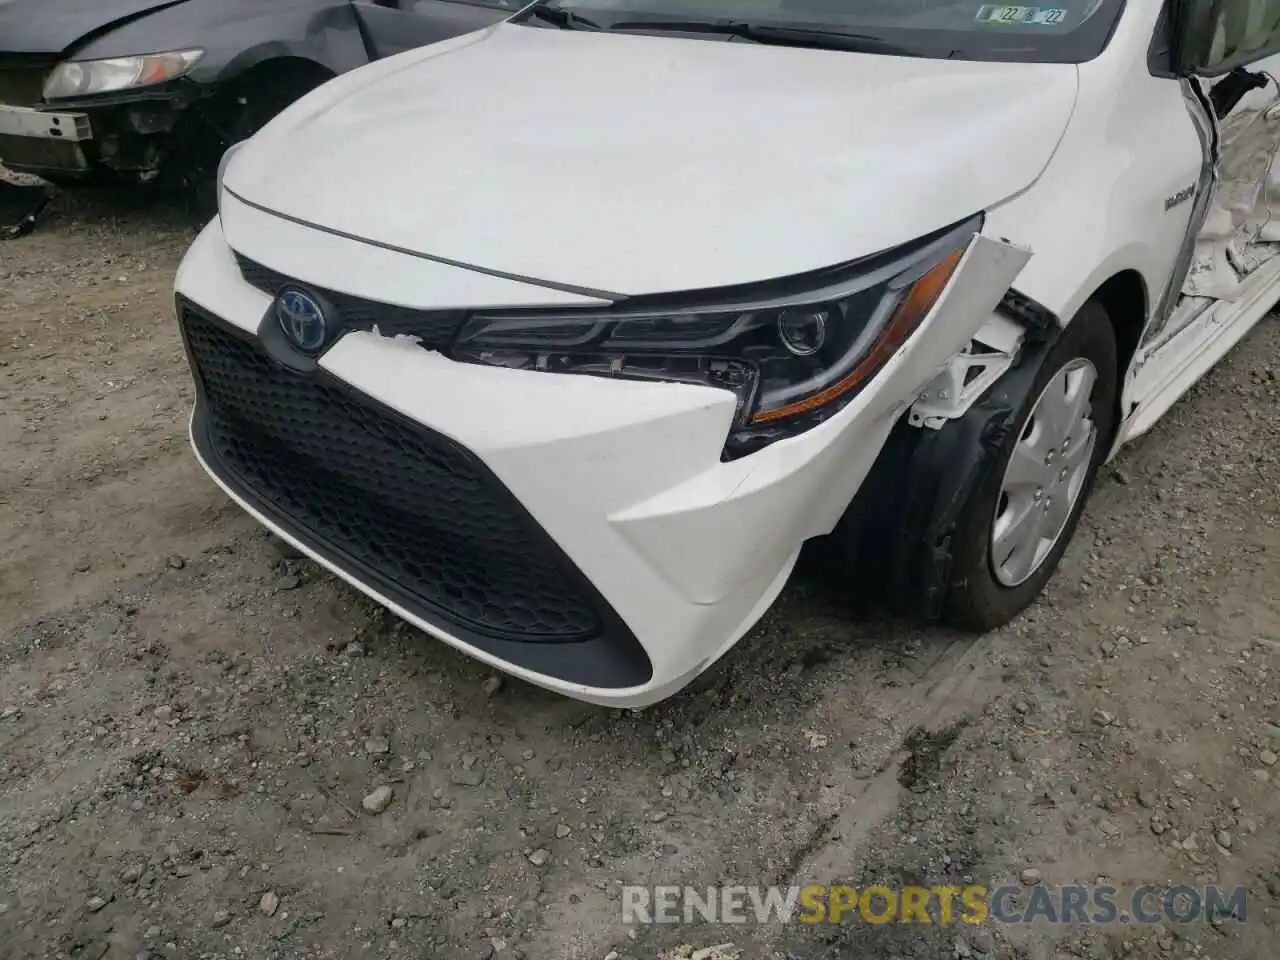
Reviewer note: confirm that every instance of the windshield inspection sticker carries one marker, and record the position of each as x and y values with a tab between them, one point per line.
1022	16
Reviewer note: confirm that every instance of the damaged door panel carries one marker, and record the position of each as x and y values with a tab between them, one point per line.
1162	320
1239	235
1237	220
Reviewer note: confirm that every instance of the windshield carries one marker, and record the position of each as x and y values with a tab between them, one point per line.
1067	31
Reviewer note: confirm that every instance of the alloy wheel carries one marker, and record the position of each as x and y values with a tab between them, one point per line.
1046	474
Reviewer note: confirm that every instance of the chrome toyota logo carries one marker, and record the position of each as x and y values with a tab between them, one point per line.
301	319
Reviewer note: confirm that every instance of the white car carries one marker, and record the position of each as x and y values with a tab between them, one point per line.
561	338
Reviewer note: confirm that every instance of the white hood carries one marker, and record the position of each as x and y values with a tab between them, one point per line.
640	164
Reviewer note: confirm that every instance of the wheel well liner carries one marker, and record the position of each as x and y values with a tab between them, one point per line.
291	66
1124	297
913	497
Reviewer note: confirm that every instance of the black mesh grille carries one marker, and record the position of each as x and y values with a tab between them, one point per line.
435	328
418	511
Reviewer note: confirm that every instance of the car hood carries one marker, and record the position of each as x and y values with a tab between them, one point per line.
637	164
52	26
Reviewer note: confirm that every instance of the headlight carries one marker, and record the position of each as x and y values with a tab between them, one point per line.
793	352
82	78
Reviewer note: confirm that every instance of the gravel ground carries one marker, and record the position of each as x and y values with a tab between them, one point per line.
207	750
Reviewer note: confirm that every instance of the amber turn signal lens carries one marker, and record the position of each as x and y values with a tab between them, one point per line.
915	306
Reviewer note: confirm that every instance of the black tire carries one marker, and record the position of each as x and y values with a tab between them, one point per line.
975	600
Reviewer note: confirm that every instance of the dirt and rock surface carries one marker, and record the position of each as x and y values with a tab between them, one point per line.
207	750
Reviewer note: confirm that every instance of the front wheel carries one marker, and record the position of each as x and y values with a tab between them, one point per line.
1020	517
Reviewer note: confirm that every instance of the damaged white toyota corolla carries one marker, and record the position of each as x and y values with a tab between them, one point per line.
561	338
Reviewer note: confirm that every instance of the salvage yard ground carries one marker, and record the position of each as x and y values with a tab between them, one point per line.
193	729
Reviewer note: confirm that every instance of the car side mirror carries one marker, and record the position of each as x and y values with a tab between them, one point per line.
1209	38
1190	35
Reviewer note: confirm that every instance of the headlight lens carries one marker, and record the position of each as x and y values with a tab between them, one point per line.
791	358
83	78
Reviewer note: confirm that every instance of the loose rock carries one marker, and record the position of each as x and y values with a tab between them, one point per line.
377	800
269	903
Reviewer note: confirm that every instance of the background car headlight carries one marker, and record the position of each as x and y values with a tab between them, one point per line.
82	78
794	352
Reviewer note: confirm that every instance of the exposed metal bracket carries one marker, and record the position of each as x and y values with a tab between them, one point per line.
969	374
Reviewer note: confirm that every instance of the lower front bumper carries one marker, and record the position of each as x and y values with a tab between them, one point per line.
133	136
400	508
670	545
38	141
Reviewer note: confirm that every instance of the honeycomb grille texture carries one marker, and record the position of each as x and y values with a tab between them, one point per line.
404	502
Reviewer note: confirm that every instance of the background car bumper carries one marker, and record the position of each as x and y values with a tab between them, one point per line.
40	141
126	136
625	478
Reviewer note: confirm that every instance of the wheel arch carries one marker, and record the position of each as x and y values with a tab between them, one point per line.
255	93
272	61
1126	299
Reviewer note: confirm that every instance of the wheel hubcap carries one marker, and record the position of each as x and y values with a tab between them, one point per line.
1045	475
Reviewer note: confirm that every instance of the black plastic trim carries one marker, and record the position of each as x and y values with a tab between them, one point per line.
611	659
1160	49
435	329
919	485
1041	322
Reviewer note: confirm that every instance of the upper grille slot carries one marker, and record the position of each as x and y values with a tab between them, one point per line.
434	328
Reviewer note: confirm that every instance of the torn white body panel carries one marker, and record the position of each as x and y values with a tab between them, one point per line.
1188	355
1236	238
1233	277
673	315
626	476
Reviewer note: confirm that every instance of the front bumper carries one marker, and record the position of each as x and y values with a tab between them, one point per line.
118	136
666	555
38	141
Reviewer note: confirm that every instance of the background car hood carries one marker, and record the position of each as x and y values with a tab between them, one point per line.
638	164
51	26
